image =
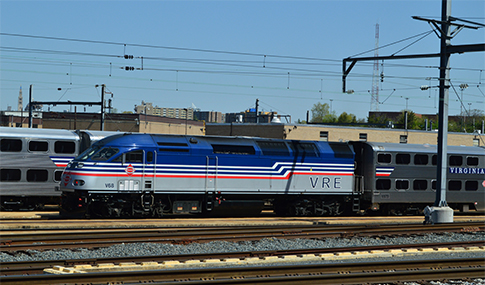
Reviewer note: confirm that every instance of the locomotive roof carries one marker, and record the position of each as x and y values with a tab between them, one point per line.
37	133
424	148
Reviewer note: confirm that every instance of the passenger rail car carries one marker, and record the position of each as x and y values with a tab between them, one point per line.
32	161
401	178
143	175
153	175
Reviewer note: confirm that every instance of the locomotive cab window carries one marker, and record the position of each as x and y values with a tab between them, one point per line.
11	145
384	158
134	156
40	146
64	147
105	154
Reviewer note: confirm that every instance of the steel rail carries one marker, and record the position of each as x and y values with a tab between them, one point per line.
87	238
37	267
342	273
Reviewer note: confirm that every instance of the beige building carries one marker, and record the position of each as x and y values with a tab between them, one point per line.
340	133
179	113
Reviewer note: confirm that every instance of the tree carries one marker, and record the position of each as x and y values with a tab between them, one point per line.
345	118
321	114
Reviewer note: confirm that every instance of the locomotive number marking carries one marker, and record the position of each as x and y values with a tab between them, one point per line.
109	185
327	182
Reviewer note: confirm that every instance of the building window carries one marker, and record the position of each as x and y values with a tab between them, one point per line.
403	139
363	137
324	136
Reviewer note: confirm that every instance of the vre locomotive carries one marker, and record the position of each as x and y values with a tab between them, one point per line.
32	161
147	175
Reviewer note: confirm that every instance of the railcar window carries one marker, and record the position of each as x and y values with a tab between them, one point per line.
105	154
434	159
402	184
57	175
64	147
420	159
304	149
420	185
384	157
456	160
233	149
472	161
37	175
10	174
403	158
454	185
134	156
471	185
274	148
13	145
383	184
433	185
38	146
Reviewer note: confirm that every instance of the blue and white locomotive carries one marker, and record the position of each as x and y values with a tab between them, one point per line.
152	175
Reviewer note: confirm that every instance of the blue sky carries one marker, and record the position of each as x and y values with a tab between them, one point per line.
223	55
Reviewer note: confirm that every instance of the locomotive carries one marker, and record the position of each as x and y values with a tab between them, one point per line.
32	162
154	175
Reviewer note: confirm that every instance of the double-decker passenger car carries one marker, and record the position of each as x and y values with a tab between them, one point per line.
32	161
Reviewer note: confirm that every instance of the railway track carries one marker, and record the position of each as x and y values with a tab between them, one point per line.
341	273
46	239
37	267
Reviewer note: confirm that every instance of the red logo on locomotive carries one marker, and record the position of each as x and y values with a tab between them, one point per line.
67	178
130	170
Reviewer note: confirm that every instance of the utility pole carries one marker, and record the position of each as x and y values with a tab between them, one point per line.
257	105
102	107
30	107
440	212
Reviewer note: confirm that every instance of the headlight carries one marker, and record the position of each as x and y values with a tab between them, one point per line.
78	182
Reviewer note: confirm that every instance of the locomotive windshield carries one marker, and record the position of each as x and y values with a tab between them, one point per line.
95	153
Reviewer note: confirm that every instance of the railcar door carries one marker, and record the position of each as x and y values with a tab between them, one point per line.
211	181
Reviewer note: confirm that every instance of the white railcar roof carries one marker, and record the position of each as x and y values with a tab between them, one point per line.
425	148
6	132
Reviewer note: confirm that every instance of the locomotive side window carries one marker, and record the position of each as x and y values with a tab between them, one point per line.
9	174
134	156
384	157
471	185
173	147
274	148
420	159
383	184
13	145
454	185
304	149
403	158
472	161
57	175
38	146
105	154
420	185
37	175
149	157
402	184
341	150
456	160
64	147
233	149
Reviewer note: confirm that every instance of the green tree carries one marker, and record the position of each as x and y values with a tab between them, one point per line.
321	114
381	120
345	118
